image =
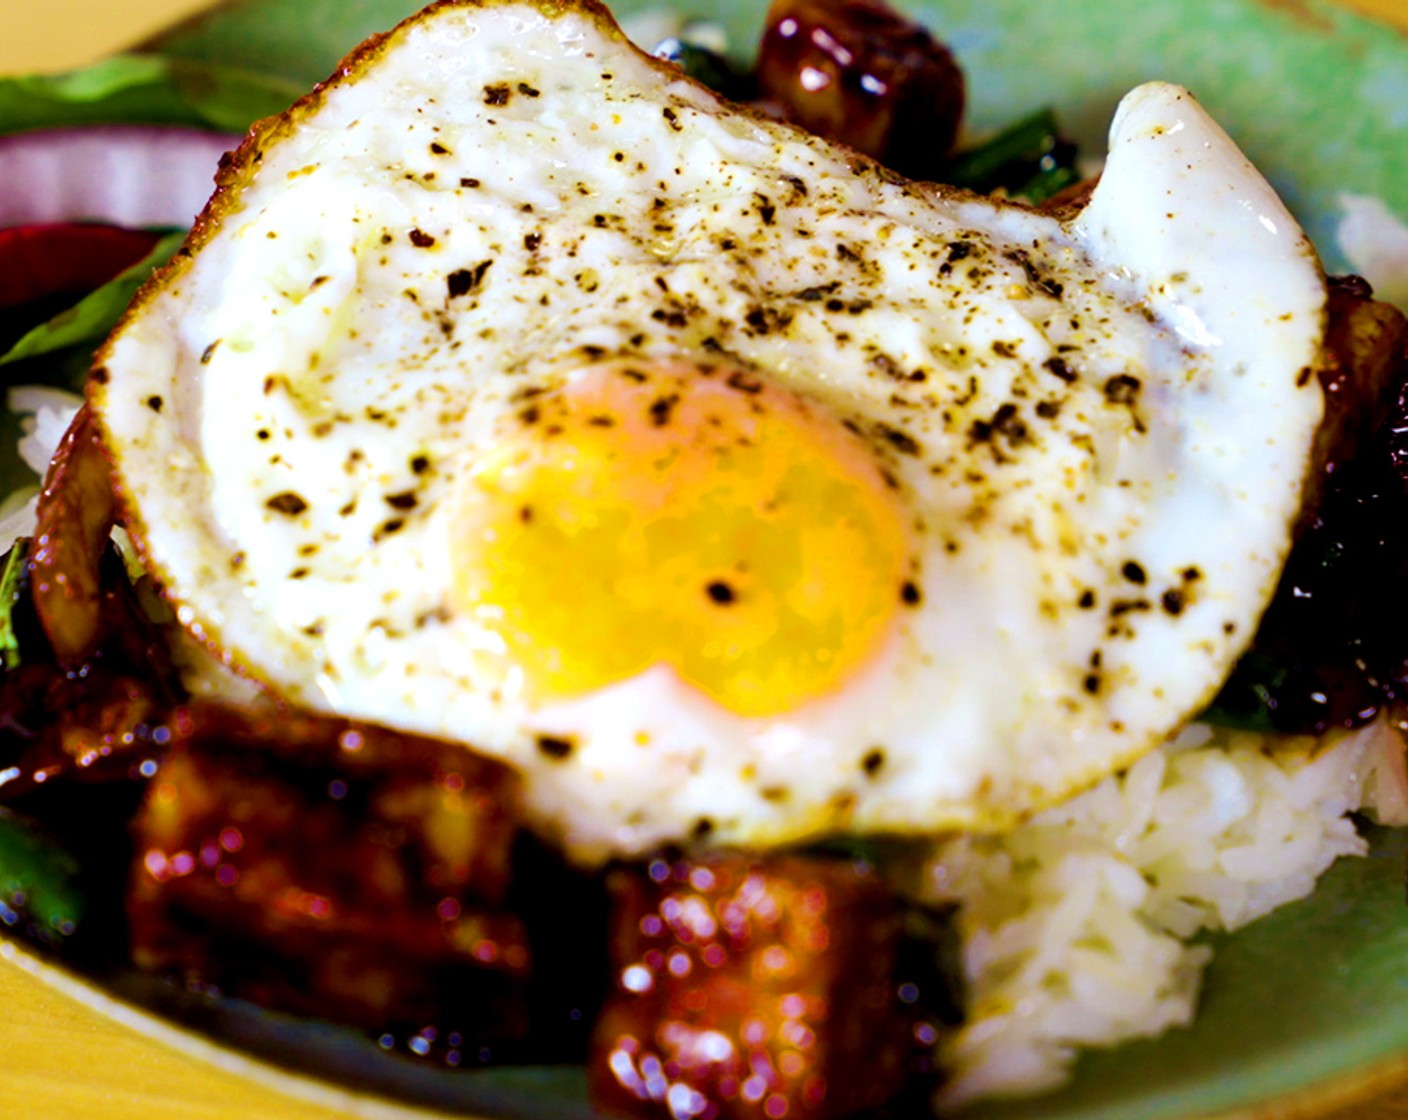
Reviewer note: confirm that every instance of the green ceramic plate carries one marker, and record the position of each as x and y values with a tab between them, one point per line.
1317	994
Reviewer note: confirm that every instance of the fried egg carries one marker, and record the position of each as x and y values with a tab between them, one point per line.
516	390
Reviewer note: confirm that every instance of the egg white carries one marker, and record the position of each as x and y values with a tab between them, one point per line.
1100	426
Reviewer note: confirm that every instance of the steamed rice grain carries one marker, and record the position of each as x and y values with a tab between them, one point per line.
1075	927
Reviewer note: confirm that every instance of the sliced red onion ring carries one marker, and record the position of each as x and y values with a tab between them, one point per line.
128	175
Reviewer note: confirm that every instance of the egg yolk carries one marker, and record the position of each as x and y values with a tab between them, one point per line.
692	516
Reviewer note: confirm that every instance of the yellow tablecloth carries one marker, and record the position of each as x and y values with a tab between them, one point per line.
60	1061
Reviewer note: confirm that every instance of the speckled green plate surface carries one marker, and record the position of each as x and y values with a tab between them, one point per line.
1317	994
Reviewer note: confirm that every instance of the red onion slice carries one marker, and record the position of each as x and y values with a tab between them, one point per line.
66	257
127	175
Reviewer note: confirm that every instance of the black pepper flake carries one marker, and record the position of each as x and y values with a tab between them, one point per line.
902	442
1004	349
497	94
438	148
1173	601
420	464
406	500
99	374
1059	367
1086	600
766	210
765	320
959	250
208	353
527	90
720	593
703	827
1048	410
1034	278
555	747
811	295
671	317
287	503
420	239
910	595
1122	389
1005	422
155	403
468	184
661	408
465	280
743	382
532	241
671	116
1091	684
873	761
387	528
1134	572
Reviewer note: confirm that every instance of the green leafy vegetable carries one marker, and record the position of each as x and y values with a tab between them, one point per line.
1029	160
95	314
300	41
132	89
1248	698
709	67
37	881
10	580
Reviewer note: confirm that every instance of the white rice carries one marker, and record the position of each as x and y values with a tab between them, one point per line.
1075	927
45	415
1375	242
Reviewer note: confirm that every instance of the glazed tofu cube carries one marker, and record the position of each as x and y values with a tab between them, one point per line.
332	869
751	988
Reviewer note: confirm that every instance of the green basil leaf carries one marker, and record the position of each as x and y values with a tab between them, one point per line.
15	561
94	315
37	881
134	89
